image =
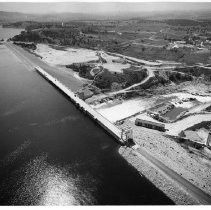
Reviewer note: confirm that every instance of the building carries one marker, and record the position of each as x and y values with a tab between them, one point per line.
127	135
84	94
208	143
149	124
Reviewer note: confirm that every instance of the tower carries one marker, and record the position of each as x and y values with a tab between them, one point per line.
126	134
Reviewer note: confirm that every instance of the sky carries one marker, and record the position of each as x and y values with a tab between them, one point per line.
102	7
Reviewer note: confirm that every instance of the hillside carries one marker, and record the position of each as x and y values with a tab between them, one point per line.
12	17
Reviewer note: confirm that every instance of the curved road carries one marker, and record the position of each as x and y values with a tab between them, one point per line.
150	74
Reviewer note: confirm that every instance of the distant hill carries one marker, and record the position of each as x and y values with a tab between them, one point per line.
12	16
9	17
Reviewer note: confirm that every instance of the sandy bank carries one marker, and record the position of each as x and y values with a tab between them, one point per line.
65	57
70	55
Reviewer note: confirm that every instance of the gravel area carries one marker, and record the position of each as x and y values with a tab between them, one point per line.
192	166
178	195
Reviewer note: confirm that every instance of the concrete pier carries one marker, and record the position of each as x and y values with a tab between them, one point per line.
107	125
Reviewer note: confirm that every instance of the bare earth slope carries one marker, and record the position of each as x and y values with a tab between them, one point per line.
192	167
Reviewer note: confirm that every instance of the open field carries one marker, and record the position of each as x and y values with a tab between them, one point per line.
64	57
58	57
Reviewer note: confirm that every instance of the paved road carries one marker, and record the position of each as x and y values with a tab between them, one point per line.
200	195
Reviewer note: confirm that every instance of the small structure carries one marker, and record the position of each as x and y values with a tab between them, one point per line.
175	46
127	134
81	95
208	143
149	124
180	42
84	94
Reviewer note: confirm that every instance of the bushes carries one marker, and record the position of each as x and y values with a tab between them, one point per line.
108	80
132	77
208	109
178	77
27	45
84	71
30	36
27	37
82	68
102	82
196	72
61	36
72	35
116	86
166	77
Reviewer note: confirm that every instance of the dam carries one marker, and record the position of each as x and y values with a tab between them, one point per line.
122	136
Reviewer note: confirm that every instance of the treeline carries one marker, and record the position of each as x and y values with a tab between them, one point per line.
30	25
196	71
187	22
164	78
67	37
30	36
26	45
83	69
107	79
13	25
85	27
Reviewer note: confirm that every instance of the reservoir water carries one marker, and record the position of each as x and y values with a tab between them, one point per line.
52	154
6	33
